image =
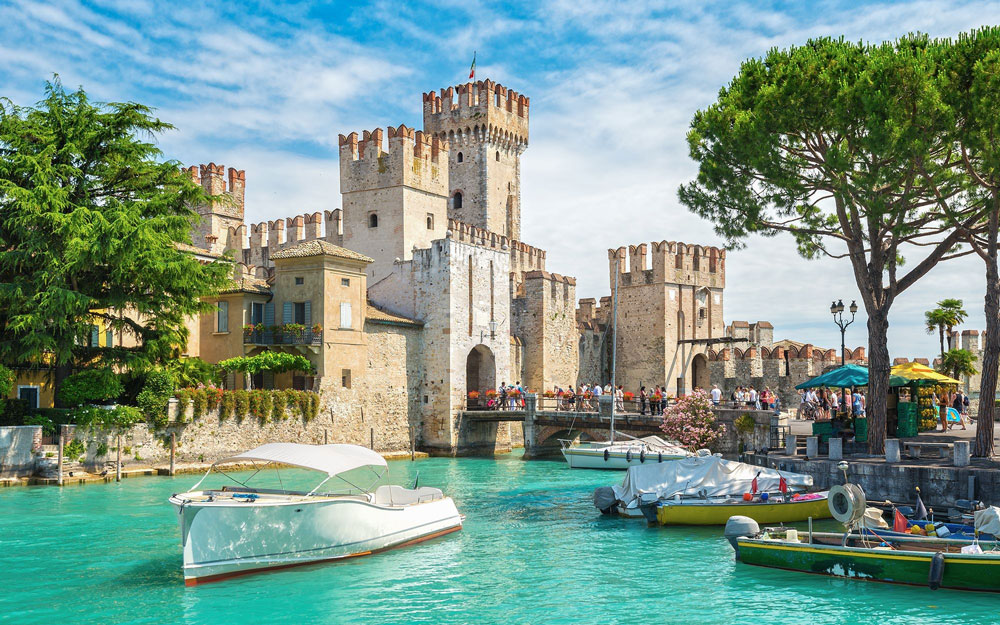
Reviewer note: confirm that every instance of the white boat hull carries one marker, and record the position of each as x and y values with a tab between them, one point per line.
224	539
582	458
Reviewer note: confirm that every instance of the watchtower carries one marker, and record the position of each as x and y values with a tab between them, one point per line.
486	125
222	217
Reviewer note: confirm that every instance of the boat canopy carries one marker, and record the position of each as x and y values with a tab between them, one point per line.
708	476
330	459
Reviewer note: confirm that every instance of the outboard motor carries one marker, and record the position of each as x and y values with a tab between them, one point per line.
740	527
605	500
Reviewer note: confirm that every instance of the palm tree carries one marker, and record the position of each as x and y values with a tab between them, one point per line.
958	362
946	316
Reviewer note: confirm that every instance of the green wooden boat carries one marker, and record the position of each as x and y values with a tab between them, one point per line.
918	560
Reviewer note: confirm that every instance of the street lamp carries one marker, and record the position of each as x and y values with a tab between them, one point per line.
837	310
493	331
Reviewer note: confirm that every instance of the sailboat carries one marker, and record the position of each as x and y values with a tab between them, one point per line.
622	454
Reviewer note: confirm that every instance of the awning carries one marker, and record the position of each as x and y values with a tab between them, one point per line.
329	459
841	377
916	372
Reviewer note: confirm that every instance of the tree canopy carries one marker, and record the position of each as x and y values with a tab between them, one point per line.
90	222
275	362
850	148
948	314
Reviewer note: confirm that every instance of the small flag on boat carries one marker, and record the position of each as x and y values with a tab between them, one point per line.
782	485
921	512
899	523
472	70
753	484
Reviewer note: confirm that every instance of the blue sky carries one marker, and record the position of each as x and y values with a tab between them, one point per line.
268	87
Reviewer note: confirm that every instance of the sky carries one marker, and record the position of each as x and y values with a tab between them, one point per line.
267	87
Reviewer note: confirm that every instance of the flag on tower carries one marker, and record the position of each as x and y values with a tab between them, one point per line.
472	70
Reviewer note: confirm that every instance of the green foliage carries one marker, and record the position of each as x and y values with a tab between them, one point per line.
117	418
200	402
227	405
7	378
276	362
48	426
261	403
945	317
90	219
102	450
90	386
193	372
278	407
155	395
74	450
745	424
958	363
242	404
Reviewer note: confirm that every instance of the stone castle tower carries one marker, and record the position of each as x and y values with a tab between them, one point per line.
486	125
221	225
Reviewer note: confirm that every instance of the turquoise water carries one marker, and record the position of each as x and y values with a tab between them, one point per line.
533	550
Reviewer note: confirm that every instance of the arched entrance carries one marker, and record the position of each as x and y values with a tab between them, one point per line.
699	372
480	372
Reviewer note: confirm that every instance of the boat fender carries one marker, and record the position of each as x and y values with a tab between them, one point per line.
606	455
740	527
937	571
628	456
659	457
642	456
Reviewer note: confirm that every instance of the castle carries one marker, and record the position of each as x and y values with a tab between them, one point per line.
418	294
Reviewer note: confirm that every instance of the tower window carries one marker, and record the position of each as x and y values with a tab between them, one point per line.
373	220
430	221
457	200
498	155
460	157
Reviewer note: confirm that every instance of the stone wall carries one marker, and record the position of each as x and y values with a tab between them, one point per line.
544	319
17	446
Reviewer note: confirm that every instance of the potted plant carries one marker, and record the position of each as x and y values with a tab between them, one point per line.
628	396
249	329
317	328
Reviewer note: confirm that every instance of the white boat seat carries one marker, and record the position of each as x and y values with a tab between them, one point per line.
393	495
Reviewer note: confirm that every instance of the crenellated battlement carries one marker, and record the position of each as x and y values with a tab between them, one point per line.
484	109
412	158
670	262
523	257
213	180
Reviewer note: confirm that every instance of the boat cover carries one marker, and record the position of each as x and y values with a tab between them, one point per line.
987	521
330	459
709	476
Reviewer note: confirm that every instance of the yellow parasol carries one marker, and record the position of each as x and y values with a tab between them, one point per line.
917	372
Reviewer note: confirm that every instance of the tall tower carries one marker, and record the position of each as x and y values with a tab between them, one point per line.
486	126
220	226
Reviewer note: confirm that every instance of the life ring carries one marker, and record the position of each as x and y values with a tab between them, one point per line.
847	503
628	456
642	456
606	455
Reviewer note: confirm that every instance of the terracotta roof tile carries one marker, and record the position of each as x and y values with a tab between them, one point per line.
380	316
319	247
248	285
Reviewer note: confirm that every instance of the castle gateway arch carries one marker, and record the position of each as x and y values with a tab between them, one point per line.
480	370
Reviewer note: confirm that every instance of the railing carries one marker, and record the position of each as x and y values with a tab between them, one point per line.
282	337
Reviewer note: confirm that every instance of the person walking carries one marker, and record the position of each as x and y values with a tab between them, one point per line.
619	399
716	395
958	405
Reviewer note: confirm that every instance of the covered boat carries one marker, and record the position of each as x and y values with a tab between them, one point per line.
620	454
707	490
238	530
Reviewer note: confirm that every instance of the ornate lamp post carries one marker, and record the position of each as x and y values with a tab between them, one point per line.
837	309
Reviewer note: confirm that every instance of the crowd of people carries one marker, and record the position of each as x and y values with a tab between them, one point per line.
750	397
825	403
952	399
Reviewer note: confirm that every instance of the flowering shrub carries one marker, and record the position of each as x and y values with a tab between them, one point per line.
691	421
628	396
549	394
473	394
514	392
491	393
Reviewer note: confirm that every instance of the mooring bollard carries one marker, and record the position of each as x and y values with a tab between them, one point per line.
892	450
791	444
836	449
812	446
173	452
962	455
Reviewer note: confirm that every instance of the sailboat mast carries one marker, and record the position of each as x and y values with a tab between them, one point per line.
614	351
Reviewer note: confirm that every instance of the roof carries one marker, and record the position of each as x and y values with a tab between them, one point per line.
319	247
248	285
194	249
378	315
330	459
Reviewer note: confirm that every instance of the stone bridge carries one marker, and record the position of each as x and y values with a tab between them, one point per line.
544	428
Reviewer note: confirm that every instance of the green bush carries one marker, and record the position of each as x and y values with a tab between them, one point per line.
48	426
200	401
192	372
14	411
7	378
227	405
75	450
278	406
155	395
90	386
242	405
183	397
117	417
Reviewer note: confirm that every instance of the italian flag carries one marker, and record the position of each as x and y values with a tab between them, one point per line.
472	70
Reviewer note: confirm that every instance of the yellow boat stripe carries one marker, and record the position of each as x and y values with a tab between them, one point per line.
863	554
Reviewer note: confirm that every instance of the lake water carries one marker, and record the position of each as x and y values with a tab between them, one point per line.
533	550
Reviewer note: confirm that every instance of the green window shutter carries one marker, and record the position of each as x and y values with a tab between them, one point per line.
308	322
286	316
95	336
223	324
109	338
269	314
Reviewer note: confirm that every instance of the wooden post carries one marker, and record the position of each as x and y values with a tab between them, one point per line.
62	434
372	439
118	465
325	437
173	450
413	443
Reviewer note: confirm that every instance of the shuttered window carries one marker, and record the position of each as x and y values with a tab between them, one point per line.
345	314
222	323
269	314
95	336
109	338
286	313
308	315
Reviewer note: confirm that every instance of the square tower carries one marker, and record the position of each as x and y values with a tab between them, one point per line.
220	226
487	126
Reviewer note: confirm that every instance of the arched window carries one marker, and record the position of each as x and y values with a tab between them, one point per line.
373	220
457	200
498	155
460	157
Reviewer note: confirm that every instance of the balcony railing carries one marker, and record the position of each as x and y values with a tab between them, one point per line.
282	337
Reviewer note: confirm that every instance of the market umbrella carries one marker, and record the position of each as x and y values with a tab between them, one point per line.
841	377
921	374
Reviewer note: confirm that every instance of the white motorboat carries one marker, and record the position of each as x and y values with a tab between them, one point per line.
620	454
238	530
